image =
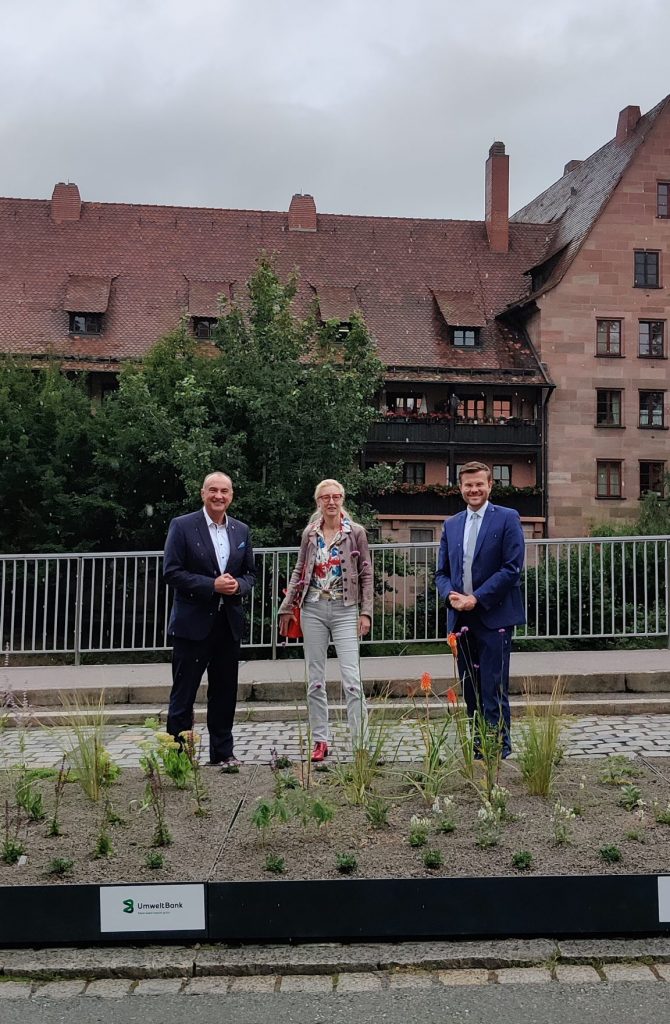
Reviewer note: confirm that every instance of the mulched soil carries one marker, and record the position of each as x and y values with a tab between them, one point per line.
226	845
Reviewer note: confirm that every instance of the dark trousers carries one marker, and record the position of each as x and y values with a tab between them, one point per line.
219	653
483	666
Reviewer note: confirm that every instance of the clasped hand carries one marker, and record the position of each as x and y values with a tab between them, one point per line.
226	584
462	602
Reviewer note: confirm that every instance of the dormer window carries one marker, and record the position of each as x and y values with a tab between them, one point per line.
204	327
465	337
86	301
85	323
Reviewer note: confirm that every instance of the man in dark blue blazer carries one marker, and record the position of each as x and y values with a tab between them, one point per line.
209	562
479	576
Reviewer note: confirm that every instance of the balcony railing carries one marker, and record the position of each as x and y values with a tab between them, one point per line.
430	503
93	604
400	431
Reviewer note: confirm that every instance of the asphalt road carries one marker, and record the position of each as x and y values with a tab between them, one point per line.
616	1003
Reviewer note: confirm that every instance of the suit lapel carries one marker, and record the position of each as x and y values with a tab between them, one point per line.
206	537
484	529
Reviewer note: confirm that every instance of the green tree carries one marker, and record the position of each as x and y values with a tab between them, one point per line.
279	402
49	497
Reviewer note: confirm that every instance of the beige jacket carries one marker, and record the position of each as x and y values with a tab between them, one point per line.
356	569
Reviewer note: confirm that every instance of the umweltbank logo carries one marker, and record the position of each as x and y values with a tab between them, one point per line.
129	906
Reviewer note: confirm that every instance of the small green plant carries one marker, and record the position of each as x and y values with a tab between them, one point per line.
635	836
346	863
174	759
103	845
285	779
610	854
498	800
151	723
191	745
443	809
60	866
154	795
154	860
377	811
279	762
28	798
488	826
630	797
522	860
59	787
662	817
560	820
12	848
419	829
274	864
432	859
539	748
86	753
617	769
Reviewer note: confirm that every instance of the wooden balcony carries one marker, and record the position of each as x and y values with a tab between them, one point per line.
427	433
429	502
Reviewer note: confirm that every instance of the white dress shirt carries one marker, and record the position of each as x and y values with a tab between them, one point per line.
220	540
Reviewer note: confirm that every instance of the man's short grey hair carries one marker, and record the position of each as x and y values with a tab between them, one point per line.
216	472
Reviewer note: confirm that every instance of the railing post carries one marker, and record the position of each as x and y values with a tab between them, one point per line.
78	601
274	599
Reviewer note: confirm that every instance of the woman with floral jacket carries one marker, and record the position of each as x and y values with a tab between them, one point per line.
332	586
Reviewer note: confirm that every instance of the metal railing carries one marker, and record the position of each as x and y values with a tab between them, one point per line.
78	604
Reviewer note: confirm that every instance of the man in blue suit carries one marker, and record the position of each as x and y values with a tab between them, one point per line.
209	561
479	576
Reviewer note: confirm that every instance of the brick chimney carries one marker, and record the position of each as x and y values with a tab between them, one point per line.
627	123
65	202
302	213
497	198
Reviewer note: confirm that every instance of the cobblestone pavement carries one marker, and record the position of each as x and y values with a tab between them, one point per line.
326	984
593	736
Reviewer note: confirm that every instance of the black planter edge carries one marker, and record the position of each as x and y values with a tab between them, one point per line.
358	910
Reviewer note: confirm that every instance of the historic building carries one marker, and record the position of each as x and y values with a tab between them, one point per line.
537	343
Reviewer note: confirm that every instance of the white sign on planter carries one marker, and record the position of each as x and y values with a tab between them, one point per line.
152	908
664	897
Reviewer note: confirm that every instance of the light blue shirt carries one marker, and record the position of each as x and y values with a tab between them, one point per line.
469	522
220	540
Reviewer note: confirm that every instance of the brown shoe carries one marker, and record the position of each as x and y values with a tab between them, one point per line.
320	751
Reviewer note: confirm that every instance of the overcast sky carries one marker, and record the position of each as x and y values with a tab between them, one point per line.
384	107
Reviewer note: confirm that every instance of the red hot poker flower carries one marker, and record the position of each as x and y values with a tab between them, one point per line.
453	643
426	682
451	696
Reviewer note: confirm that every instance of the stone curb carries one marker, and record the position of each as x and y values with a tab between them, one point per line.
567	958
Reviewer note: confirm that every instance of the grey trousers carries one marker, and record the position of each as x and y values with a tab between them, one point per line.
324	622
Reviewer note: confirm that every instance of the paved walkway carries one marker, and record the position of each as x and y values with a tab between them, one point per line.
592	736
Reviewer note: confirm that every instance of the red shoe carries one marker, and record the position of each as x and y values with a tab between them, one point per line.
320	751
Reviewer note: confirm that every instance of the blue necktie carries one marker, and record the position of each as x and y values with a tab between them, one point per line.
470	553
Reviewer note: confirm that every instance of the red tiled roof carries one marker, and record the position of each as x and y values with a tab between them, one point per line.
203	297
87	294
153	253
336	303
460	309
572	204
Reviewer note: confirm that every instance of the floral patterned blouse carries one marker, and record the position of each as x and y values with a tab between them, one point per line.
327	575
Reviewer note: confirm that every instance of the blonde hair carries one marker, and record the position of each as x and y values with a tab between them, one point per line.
328	482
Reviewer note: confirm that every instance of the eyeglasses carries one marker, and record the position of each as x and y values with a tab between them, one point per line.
330	497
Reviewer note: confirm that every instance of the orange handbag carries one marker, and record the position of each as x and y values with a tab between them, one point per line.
294	631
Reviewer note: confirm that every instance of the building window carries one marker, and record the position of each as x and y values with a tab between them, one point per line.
414	473
651	408
608	338
204	327
465	337
472	409
651	339
608	408
609	480
421	536
663	199
502	475
501	408
646	269
403	403
652	478
85	323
